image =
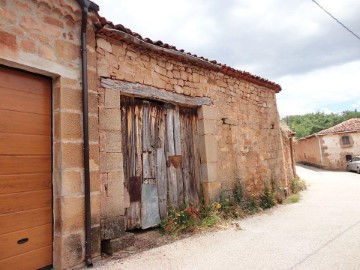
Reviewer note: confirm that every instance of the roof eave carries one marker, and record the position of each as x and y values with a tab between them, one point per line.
118	34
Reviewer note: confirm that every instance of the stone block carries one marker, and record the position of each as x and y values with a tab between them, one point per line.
30	23
71	155
178	89
110	119
208	148
7	15
111	162
115	182
104	44
131	55
95	183
69	214
176	74
69	250
95	241
115	245
112	227
92	65
66	50
94	157
93	80
53	21
208	112
68	125
110	141
93	129
71	183
112	206
209	172
169	66
112	99
95	208
67	98
47	53
183	75
28	46
206	126
211	192
93	101
103	68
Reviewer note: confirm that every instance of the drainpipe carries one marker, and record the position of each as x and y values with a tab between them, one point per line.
86	6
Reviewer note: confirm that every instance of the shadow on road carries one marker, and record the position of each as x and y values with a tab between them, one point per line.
315	169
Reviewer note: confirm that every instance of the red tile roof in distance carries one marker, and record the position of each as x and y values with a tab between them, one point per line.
351	125
120	32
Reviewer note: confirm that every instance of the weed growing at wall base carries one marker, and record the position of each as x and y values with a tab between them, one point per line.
192	216
293	198
185	217
267	198
297	185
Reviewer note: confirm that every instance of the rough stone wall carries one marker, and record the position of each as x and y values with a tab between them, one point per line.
43	37
308	151
242	138
111	165
334	152
289	162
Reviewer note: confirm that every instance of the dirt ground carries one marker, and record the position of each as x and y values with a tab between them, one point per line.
152	238
322	231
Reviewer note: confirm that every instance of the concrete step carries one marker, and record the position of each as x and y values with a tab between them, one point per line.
112	246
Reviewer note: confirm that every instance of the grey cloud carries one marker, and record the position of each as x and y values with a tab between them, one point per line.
268	42
277	52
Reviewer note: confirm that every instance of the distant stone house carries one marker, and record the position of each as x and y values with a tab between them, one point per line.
330	148
101	129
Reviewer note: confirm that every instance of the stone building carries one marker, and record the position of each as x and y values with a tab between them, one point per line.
101	129
330	148
288	150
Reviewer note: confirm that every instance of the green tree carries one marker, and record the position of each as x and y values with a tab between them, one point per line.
310	123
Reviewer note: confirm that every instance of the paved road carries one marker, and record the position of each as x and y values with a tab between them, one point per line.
322	231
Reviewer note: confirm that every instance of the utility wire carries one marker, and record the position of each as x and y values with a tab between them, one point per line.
336	19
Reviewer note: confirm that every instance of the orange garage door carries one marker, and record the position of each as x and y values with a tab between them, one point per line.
25	170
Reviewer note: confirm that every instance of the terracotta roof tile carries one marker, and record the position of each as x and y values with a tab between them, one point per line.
107	27
351	125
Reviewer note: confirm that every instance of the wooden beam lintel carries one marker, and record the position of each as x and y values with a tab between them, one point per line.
144	91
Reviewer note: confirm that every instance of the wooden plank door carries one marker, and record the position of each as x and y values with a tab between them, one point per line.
190	155
150	216
161	162
25	171
131	115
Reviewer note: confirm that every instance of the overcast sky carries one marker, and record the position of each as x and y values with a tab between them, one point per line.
293	43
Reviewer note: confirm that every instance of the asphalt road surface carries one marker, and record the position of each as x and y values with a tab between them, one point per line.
322	231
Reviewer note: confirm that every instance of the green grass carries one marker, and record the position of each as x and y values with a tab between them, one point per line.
294	198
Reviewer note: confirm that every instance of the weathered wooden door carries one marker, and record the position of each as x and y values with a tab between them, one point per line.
161	161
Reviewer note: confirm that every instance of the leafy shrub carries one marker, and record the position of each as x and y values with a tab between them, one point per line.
211	215
238	191
188	217
267	198
250	204
182	218
297	185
